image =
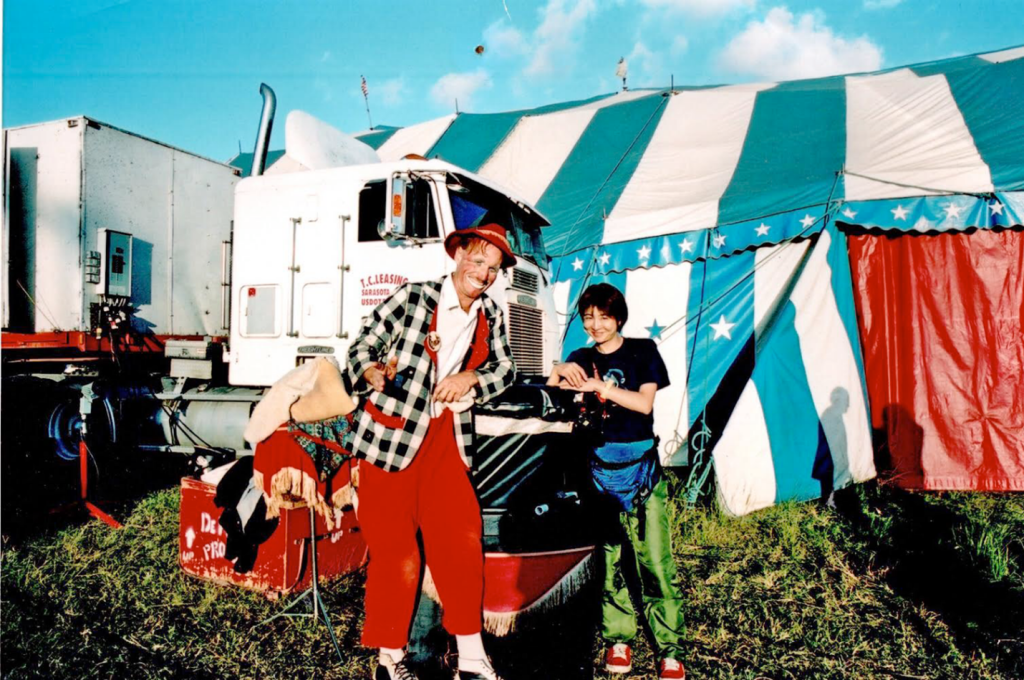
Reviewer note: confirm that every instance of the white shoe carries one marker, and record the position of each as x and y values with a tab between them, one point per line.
476	669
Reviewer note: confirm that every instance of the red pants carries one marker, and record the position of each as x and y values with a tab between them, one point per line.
435	496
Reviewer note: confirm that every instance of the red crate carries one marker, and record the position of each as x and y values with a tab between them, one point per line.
279	566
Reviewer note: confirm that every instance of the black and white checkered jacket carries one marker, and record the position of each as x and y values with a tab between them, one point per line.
393	423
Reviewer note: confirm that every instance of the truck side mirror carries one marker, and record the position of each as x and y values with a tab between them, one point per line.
394	223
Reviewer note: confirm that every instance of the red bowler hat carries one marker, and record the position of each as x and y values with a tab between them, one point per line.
492	233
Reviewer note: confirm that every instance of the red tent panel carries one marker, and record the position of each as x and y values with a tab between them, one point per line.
940	323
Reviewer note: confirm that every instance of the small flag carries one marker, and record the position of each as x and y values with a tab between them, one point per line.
621	70
363	87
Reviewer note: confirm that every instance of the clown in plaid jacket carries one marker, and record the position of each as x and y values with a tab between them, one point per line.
391	424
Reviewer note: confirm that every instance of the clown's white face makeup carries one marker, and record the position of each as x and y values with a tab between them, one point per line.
475	271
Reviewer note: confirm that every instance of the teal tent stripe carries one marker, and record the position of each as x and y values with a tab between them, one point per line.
472	137
989	97
794	430
596	172
795	145
243	161
720	290
377	138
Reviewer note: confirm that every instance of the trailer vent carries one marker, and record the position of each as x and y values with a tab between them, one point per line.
524	280
526	336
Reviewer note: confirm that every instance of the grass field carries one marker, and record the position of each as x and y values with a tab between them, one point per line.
888	585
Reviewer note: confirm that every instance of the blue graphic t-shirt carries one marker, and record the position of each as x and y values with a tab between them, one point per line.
636	362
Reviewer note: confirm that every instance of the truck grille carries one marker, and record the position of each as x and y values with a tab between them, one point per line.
526	336
524	280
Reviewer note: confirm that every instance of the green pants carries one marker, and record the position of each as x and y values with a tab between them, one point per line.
649	556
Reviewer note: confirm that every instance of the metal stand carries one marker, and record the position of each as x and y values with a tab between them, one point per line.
312	593
83	501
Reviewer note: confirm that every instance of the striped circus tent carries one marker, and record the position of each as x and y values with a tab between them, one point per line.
724	214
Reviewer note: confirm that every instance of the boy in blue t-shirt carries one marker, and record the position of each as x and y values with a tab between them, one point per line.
625	373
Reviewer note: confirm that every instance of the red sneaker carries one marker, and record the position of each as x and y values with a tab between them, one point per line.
671	669
618	658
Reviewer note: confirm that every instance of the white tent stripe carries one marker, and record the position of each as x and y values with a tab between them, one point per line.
561	294
533	153
743	457
617	98
1004	55
906	130
666	291
529	158
687	166
774	268
831	369
414	139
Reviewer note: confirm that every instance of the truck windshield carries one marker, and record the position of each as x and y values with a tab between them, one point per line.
474	205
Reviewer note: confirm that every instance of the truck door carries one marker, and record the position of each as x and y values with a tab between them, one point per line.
378	262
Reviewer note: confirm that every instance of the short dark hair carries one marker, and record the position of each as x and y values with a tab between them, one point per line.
606	298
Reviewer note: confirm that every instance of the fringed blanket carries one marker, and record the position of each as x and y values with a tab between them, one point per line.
308	462
519	585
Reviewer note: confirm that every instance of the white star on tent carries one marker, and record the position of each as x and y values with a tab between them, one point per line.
644	252
849	213
605	258
996	207
807	221
719	240
577	264
686	245
952	210
722	329
923	225
900	213
763	229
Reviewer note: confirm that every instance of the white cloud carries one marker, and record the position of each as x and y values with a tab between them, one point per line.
645	67
679	45
881	4
784	47
555	40
503	40
391	92
461	86
704	8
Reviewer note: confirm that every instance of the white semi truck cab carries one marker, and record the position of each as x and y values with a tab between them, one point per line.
315	251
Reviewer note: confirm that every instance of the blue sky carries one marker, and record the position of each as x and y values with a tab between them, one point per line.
187	72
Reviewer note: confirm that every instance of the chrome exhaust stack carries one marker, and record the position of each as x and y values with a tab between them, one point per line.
259	154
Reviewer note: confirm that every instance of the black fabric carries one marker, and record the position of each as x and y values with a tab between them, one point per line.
636	362
233	484
537	488
588	425
243	541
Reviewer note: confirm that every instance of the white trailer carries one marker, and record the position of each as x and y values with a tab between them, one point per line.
93	213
